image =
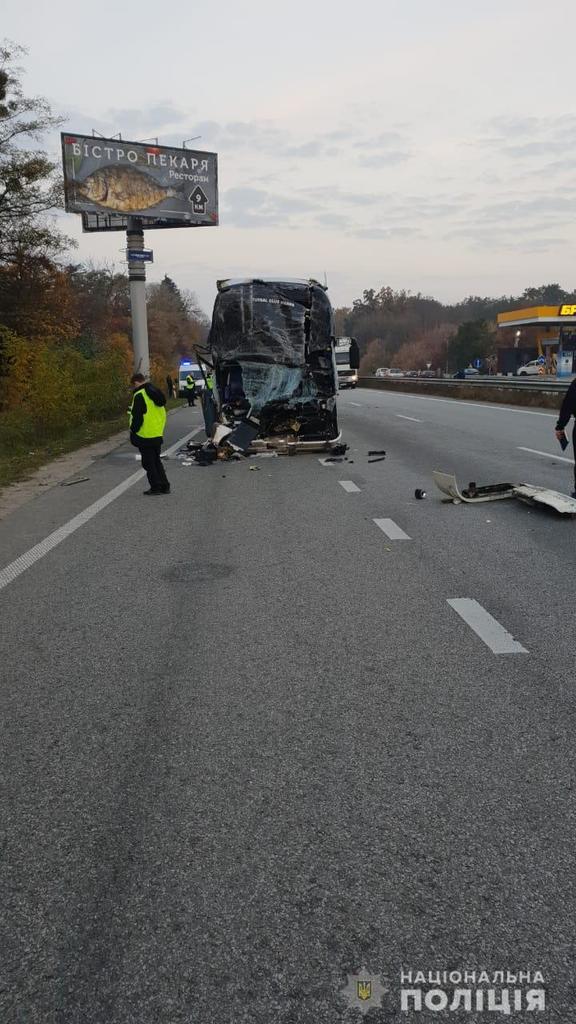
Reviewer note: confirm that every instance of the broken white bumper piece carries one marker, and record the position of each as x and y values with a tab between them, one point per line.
447	483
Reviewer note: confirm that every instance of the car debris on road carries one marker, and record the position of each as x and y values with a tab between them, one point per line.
529	493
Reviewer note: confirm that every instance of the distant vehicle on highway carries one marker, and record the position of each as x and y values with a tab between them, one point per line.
470	371
534	366
387	371
346	362
188	367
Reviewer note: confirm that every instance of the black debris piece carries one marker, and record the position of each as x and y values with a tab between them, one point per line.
243	435
419	493
381	459
206	456
377	453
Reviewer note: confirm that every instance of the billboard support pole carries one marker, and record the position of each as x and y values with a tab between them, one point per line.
137	279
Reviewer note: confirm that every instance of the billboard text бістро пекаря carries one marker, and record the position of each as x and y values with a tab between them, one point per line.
109	180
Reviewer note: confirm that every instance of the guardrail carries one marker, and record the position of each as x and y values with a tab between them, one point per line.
505	390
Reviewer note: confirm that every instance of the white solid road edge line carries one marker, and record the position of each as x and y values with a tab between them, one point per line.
349	486
498	639
390	528
25	561
534	451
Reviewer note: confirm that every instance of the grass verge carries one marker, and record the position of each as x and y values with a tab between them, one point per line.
21	454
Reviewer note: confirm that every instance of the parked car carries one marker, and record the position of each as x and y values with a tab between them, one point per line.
392	372
470	371
382	371
534	366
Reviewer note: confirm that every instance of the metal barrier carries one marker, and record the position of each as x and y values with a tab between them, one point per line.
550	384
546	394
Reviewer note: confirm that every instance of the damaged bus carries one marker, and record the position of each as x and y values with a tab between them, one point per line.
272	351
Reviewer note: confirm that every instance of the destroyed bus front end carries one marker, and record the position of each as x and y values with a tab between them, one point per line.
272	351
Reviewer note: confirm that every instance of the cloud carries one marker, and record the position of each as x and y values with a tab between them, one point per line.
525	138
252	207
525	209
521	238
383	141
334	194
333	220
154	119
379	233
307	149
384	159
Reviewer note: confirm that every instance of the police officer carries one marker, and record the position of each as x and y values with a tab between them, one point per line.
210	382
147	417
567	410
190	389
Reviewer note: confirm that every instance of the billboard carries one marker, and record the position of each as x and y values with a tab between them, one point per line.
109	180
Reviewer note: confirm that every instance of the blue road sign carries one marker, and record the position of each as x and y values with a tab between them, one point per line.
140	255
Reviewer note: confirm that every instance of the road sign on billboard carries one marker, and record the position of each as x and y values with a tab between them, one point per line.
109	180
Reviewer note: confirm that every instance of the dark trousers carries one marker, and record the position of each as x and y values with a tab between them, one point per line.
191	396
150	451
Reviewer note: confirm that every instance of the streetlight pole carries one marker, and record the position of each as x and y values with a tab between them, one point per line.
137	280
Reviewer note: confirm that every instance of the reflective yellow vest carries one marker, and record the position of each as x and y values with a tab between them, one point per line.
210	382
190	383
154	418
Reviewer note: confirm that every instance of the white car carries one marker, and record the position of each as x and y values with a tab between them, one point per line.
382	371
534	366
395	373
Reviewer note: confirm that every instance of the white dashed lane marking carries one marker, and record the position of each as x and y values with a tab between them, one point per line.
25	561
498	639
457	402
413	418
391	529
349	486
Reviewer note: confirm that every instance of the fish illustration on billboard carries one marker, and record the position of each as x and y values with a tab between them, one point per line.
123	189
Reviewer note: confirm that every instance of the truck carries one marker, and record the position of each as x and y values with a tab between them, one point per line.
271	349
347	362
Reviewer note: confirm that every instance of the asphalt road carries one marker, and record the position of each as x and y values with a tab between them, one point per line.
249	747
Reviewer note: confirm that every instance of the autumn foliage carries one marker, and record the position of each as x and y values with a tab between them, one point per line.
65	352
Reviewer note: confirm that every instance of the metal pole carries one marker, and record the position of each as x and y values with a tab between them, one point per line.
137	279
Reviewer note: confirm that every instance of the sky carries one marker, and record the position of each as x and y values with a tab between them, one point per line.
425	146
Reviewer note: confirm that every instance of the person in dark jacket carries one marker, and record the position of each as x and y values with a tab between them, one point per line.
568	409
190	389
170	386
147	415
